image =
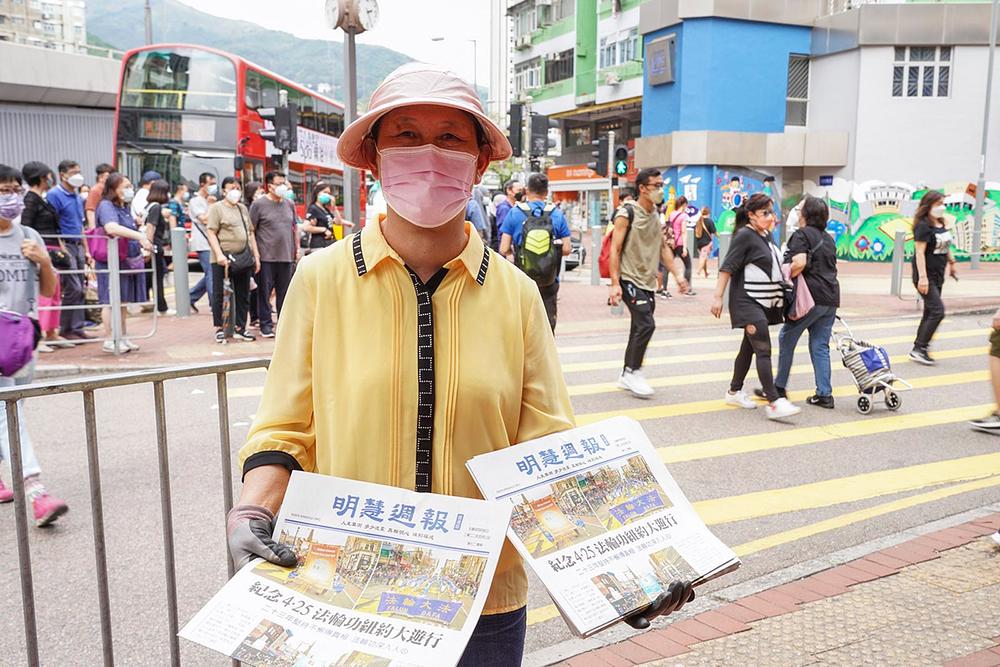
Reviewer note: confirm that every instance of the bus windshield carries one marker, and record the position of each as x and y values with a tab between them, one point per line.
180	79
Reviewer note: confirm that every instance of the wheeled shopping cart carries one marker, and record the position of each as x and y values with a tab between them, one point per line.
869	365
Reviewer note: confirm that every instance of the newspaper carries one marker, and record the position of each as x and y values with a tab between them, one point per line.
385	577
599	519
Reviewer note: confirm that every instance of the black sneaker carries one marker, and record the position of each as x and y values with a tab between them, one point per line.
244	336
820	401
989	424
759	393
921	356
267	333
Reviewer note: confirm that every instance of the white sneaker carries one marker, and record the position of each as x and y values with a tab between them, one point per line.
132	347
740	399
782	408
109	347
635	383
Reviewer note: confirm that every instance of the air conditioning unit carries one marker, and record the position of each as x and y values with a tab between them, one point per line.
522	42
552	56
612	79
543	3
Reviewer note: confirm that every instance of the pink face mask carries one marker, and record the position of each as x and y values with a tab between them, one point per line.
425	184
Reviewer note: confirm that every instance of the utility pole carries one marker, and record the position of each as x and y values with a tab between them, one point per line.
352	203
977	230
148	12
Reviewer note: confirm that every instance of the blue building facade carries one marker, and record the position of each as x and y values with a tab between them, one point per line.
728	75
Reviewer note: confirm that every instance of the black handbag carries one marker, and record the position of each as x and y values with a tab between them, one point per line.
244	259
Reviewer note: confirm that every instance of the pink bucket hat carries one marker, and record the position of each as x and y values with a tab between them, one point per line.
419	83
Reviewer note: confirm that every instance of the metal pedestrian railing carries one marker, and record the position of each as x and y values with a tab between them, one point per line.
87	387
114	273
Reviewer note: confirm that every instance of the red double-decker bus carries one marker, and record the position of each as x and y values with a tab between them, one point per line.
184	110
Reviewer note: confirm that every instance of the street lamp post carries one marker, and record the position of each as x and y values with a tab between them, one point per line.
148	18
353	17
977	230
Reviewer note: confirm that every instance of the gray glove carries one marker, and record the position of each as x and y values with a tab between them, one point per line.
249	529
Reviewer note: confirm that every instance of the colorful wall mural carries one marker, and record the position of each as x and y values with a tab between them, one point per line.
864	217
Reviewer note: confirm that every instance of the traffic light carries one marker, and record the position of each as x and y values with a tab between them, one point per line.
284	130
621	160
516	131
540	142
600	165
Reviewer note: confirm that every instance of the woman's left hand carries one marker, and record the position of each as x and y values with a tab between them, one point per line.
717	307
678	594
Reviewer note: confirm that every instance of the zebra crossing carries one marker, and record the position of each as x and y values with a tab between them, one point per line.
781	493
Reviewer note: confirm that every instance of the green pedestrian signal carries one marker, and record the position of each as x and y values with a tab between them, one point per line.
621	160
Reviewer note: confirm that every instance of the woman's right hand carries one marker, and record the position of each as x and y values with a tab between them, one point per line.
717	307
223	261
923	285
146	244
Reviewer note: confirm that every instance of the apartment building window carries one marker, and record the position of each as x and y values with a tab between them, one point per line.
619	48
921	71
559	66
562	9
525	22
797	95
527	75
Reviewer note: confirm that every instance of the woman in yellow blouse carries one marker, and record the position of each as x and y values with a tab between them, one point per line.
423	297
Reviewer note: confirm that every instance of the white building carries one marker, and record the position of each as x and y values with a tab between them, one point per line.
54	24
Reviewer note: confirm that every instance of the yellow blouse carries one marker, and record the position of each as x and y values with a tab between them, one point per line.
354	411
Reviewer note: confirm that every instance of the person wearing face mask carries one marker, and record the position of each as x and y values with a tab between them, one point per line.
273	220
420	400
321	218
638	247
66	201
543	267
513	194
42	216
28	275
140	201
752	270
253	191
177	205
932	241
198	237
230	233
115	218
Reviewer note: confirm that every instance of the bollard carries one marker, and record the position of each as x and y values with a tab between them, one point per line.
596	238
182	294
115	292
724	240
898	262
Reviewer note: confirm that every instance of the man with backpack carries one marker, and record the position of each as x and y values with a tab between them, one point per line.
637	248
531	236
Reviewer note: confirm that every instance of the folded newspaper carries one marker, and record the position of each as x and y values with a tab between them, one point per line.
600	520
385	576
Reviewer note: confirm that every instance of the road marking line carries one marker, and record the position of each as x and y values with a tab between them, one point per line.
715	405
844	520
809	435
591	389
549	611
616	364
695	340
849	489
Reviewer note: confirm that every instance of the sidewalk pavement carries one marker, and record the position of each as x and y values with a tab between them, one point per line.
929	601
583	311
